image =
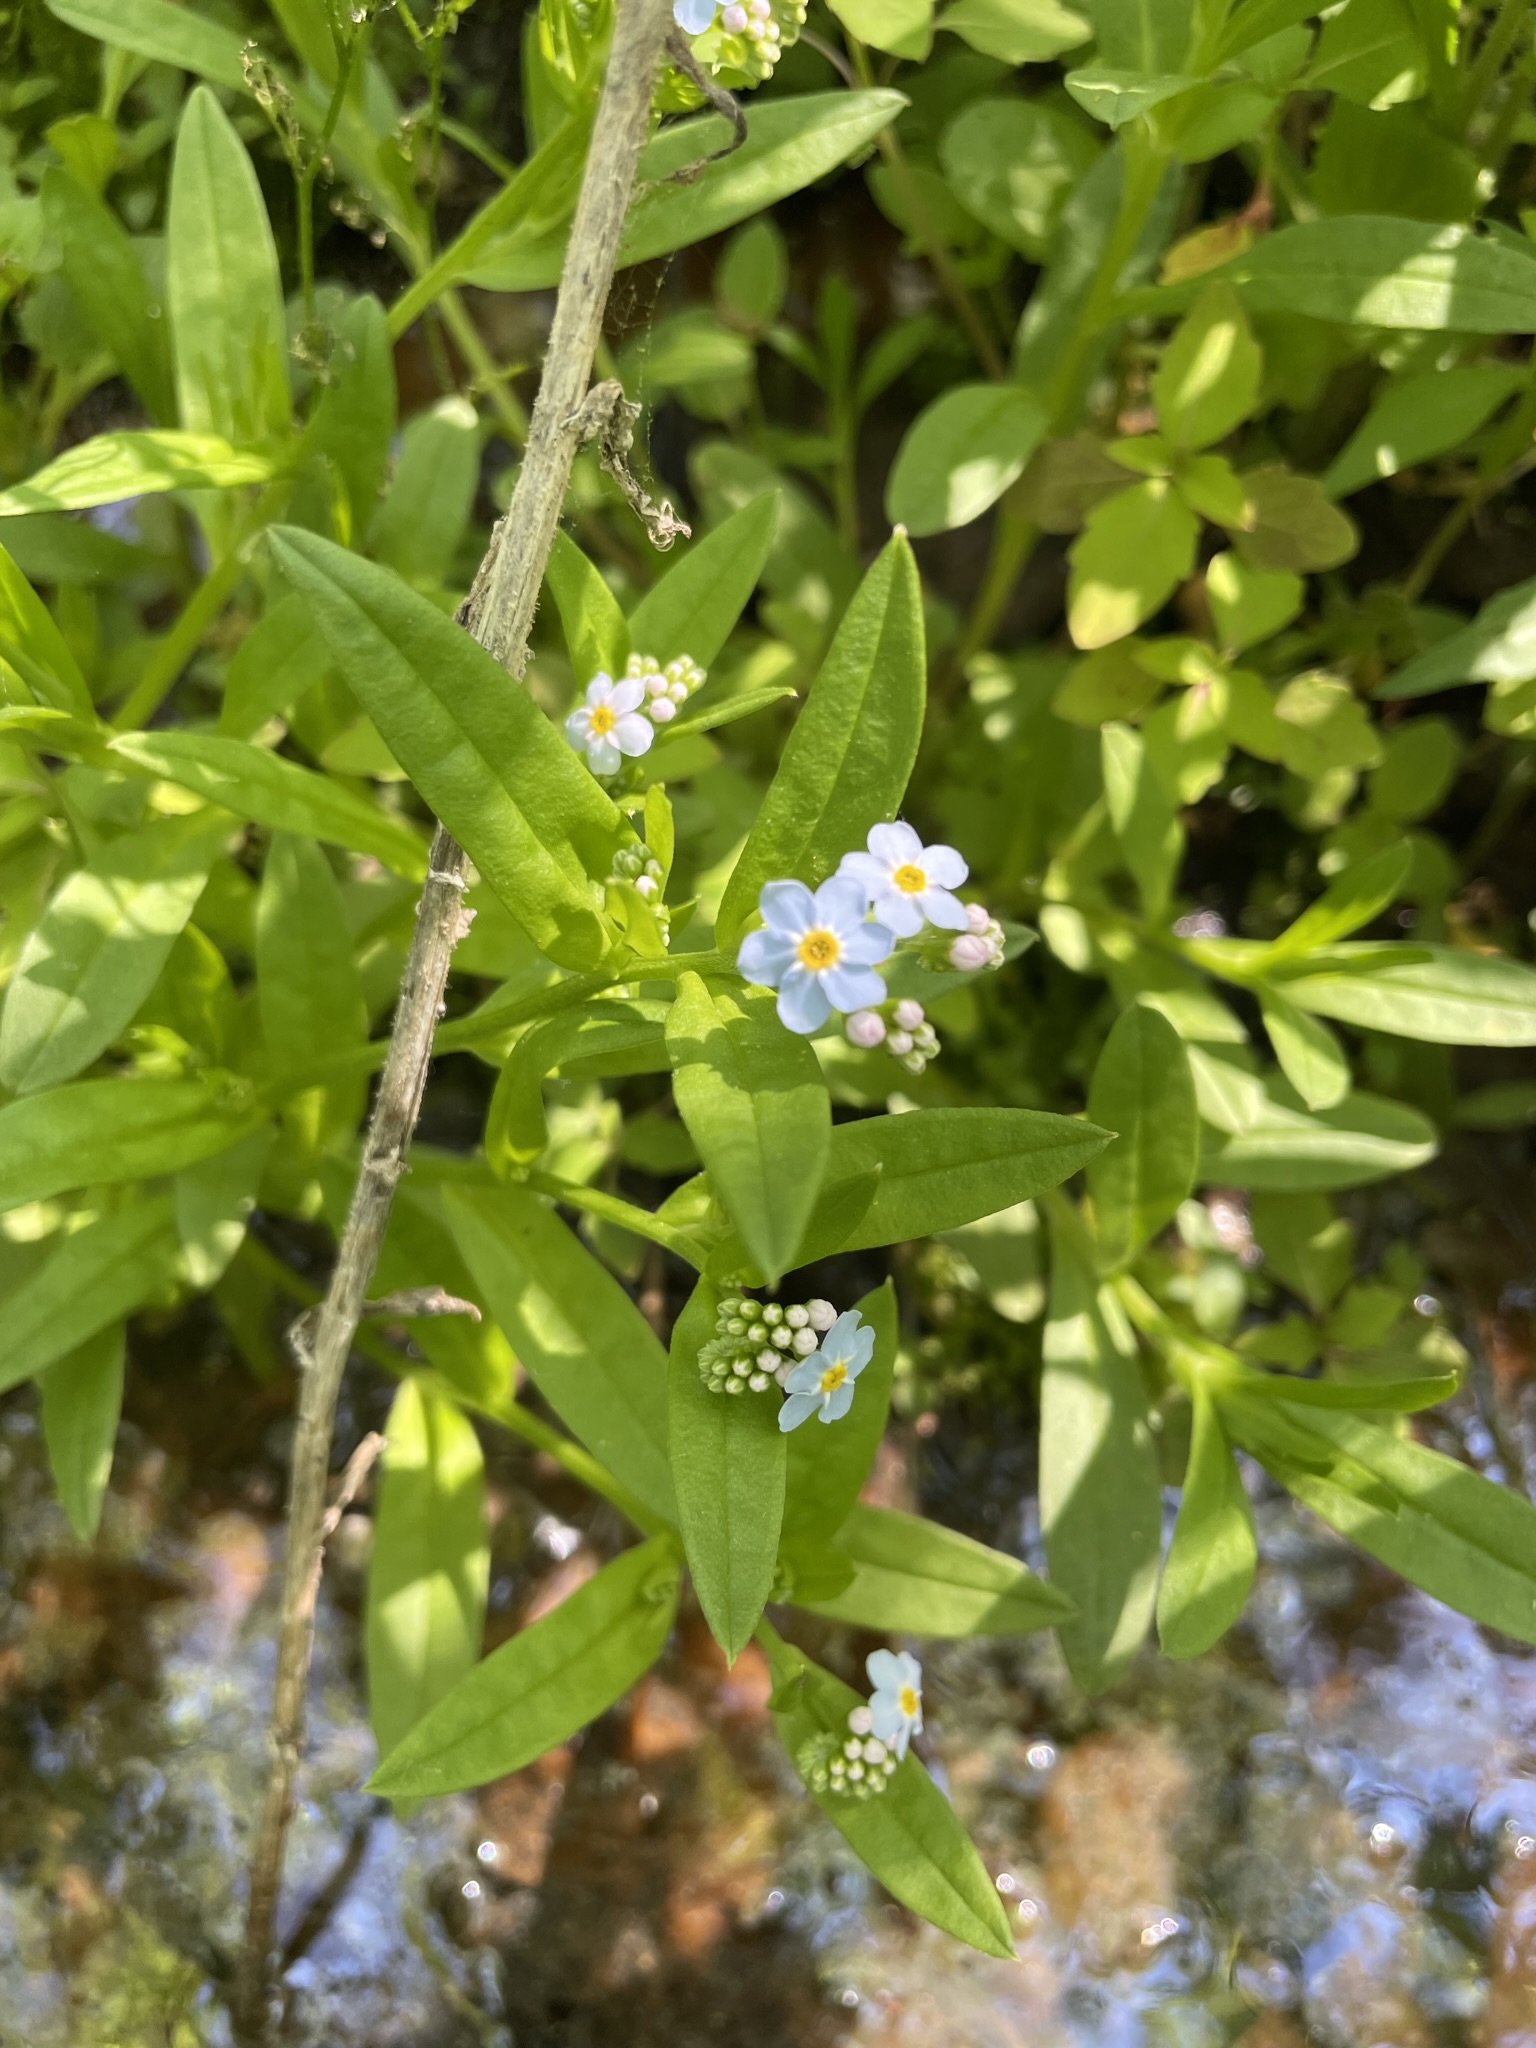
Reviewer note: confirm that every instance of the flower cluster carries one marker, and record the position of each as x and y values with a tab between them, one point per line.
620	718
858	1765
666	689
637	865
823	1383
820	950
744	35
907	1037
757	1343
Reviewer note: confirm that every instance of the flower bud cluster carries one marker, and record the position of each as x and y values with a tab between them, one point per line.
636	863
744	35
757	1344
980	944
908	1036
666	689
855	1768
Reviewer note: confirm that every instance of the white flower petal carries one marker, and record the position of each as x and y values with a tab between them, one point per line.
898	912
599	690
797	1409
603	757
874	874
866	945
852	988
693	16
895	844
944	866
787	907
838	1402
763	956
578	725
633	734
942	909
805	1378
802	1004
627	695
911	1670
883	1670
841	903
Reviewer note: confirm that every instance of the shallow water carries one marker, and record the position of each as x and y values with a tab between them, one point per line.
1324	1832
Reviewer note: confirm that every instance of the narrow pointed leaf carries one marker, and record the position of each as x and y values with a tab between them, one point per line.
96	1276
915	1577
92	1133
693	608
82	1404
1208	1573
1142	1088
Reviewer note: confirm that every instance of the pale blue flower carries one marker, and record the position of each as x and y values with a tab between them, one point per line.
609	724
906	883
693	16
819	952
825	1380
896	1704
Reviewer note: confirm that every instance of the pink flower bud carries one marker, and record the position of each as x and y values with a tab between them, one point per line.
909	1014
977	917
734	20
662	710
969	952
865	1028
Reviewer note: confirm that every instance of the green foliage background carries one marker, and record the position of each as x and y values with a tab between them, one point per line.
1194	356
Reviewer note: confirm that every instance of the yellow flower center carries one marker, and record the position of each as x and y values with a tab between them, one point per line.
909	1701
604	718
833	1377
910	878
819	949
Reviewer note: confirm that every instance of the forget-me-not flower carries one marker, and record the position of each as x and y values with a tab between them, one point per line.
610	724
693	16
825	1380
819	952
906	882
896	1705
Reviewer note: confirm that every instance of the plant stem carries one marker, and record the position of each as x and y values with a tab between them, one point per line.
1497	44
953	285
346	51
165	664
499	613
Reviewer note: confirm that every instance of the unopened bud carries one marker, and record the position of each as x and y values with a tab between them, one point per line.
865	1028
969	952
899	1044
909	1014
822	1314
976	917
803	1342
662	710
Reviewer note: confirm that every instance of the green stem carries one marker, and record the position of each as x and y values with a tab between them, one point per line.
1497	44
614	1209
173	653
488	377
951	283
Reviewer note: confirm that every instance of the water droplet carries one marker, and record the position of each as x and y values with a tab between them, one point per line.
472	1890
487	1852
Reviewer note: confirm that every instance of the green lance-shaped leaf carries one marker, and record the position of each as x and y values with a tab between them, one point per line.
1100	1489
32	645
418	527
1310	1055
1144	816
790	144
309	992
1457	1535
1436	993
1017	31
1416	418
913	1577
82	1404
1207	381
728	1460
1362	1139
428	1571
136	462
596	634
846	763
616	1037
960	454
752	1096
100	945
910	1836
92	1133
214	1199
551	1679
353	420
222	286
162	31
272	791
693	608
108	283
1305	1245
829	1462
1142	1088
485	758
1208	1572
97	1275
1362	892
1498	646
939	1168
277	663
585	1345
